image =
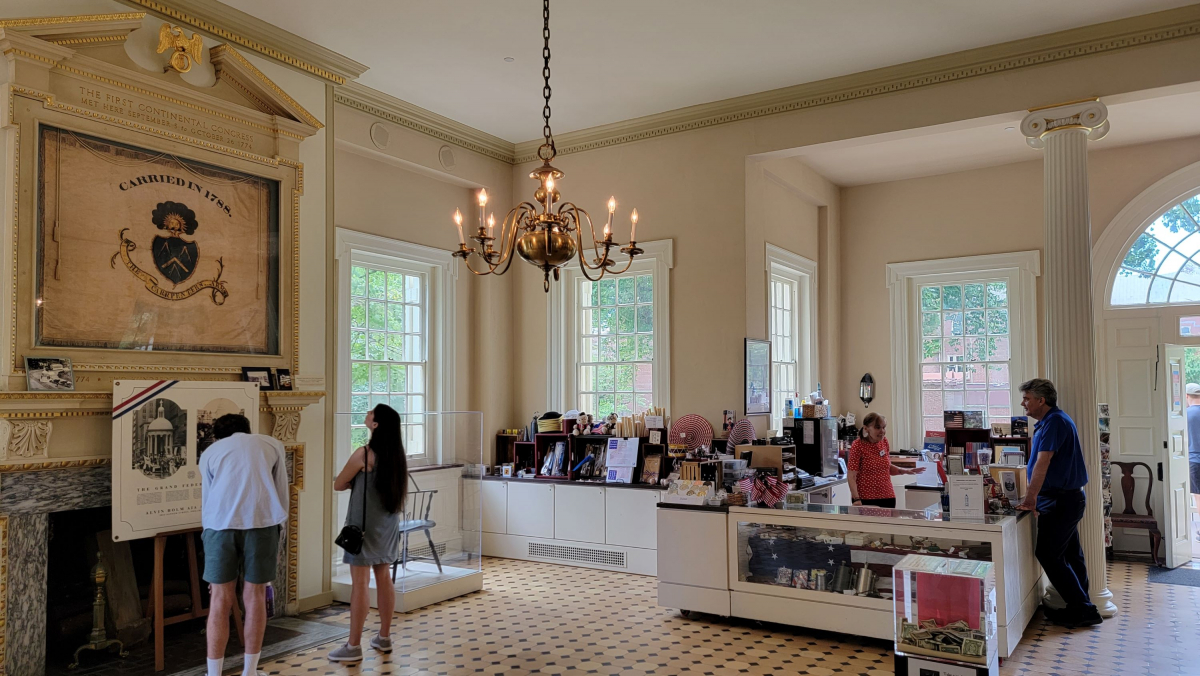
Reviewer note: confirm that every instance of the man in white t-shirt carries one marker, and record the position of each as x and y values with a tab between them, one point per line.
245	498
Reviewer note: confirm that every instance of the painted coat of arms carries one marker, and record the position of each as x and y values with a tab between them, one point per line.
174	257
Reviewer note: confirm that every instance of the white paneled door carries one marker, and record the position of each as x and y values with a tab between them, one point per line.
1174	465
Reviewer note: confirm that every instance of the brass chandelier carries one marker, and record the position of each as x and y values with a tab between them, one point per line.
543	235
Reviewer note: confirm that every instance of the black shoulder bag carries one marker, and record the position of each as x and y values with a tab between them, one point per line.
351	537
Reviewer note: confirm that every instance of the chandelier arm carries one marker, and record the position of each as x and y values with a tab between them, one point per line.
490	271
574	211
585	267
628	265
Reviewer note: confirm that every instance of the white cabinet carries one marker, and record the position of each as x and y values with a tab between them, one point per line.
841	495
579	513
495	506
630	518
531	509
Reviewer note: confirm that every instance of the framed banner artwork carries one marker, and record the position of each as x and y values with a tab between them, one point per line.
182	256
758	377
159	430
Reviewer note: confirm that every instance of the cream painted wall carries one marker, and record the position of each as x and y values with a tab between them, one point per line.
993	210
687	191
402	192
693	186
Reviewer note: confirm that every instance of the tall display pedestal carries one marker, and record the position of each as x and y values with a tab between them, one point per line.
927	666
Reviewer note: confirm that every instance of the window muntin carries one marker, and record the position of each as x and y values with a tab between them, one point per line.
388	348
1163	265
965	351
784	330
616	339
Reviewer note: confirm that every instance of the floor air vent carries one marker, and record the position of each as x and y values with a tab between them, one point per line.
577	554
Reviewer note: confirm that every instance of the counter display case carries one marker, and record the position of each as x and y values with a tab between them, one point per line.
946	608
851	560
831	567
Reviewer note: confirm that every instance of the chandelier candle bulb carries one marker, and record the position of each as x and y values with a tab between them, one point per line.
458	222
633	218
491	225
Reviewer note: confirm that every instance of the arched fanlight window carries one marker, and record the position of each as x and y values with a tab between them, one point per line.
1163	265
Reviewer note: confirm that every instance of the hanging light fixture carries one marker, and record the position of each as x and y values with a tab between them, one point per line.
544	235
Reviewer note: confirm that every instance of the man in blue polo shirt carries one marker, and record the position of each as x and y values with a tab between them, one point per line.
1056	479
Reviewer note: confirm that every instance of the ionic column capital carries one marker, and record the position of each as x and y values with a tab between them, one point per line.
1091	116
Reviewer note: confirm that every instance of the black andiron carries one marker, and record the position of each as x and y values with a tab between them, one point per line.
98	640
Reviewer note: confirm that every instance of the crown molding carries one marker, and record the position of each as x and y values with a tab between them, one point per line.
394	110
226	23
1039	50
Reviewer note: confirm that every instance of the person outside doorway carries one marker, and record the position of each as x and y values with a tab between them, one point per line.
1193	429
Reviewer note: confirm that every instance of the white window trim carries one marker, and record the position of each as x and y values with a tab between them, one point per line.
563	322
440	315
1021	269
804	272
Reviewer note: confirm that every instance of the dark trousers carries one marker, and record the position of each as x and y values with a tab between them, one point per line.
880	502
1058	548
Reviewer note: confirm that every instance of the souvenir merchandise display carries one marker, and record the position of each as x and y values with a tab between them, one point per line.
839	561
1105	472
945	608
689	492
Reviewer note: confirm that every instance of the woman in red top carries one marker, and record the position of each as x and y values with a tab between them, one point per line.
871	467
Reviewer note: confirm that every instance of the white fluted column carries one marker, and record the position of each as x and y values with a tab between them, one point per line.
1063	131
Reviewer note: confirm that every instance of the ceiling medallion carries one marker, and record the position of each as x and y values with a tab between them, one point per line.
545	236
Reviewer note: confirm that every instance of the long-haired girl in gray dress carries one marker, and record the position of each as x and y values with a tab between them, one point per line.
381	469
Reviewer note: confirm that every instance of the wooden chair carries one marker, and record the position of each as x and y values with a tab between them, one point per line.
1129	518
417	506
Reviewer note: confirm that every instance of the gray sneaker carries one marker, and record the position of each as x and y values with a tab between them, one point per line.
346	653
383	645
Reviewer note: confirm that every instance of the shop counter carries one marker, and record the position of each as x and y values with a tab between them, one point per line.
800	566
577	523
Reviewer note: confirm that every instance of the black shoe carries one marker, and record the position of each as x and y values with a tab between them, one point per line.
1073	617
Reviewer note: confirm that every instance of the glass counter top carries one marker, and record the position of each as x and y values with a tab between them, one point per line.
931	514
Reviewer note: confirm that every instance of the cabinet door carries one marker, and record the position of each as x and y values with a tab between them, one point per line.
531	509
631	518
495	506
579	513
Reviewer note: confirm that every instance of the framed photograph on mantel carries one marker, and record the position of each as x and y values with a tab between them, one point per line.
758	377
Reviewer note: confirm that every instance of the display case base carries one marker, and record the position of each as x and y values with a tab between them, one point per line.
913	665
421	586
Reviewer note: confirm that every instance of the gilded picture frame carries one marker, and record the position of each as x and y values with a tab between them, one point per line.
186	259
270	153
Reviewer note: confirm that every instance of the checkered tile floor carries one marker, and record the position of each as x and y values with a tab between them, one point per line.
546	619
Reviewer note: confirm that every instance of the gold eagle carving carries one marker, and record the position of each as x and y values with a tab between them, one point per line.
186	51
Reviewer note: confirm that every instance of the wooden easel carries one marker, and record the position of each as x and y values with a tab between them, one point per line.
154	608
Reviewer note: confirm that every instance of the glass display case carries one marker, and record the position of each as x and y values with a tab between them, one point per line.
441	537
852	561
945	608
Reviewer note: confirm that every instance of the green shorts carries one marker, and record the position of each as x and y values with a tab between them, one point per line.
254	551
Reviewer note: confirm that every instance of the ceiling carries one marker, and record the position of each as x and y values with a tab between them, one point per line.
1152	115
620	59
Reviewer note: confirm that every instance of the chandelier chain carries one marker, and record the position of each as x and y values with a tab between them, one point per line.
546	76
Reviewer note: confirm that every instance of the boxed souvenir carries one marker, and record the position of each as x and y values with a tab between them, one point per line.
945	608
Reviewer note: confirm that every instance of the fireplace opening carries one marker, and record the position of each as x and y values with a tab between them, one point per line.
76	539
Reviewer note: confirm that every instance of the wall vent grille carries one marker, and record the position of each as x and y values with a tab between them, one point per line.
422	552
568	553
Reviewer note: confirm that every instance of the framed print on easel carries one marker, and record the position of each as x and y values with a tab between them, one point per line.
758	377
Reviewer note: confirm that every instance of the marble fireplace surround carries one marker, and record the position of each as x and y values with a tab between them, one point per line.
31	491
